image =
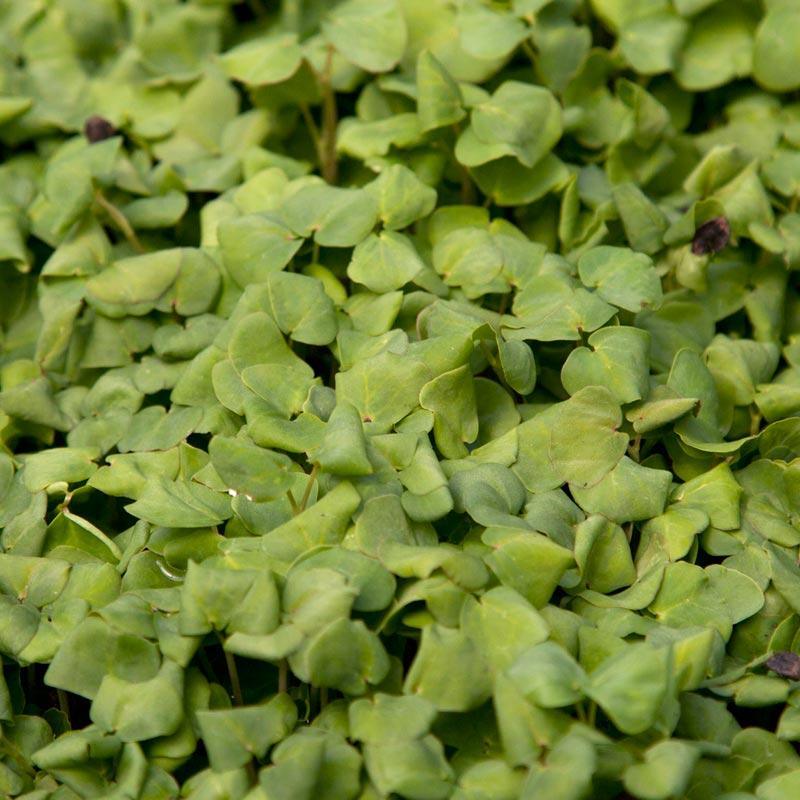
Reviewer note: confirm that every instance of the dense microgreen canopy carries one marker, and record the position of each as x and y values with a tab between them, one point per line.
399	399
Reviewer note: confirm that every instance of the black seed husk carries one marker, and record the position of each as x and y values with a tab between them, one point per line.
98	128
786	664
711	236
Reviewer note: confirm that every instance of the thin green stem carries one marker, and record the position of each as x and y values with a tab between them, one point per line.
468	196
592	713
207	666
755	420
283	675
64	504
16	755
312	477
503	306
313	130
120	220
386	617
530	52
330	121
63	704
233	674
293	503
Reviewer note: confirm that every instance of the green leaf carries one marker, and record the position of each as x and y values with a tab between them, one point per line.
631	686
518	365
779	786
412	768
448	670
214	598
555	307
644	222
312	763
618	360
468	257
371	35
336	217
343	450
508	183
139	284
651	42
439	101
153	428
775	60
739	365
678	324
716	597
504	625
374	584
454	423
372	139
576	441
136	711
266	60
488	34
253	246
548	676
384	262
384	388
621	277
519	120
603	555
716	493
56	465
32	401
567	772
68	533
248	469
718	49
325	522
490	493
387	718
676	529
233	736
312	321
345	656
401	196
526	561
629	492
179	504
661	407
163	211
665	771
